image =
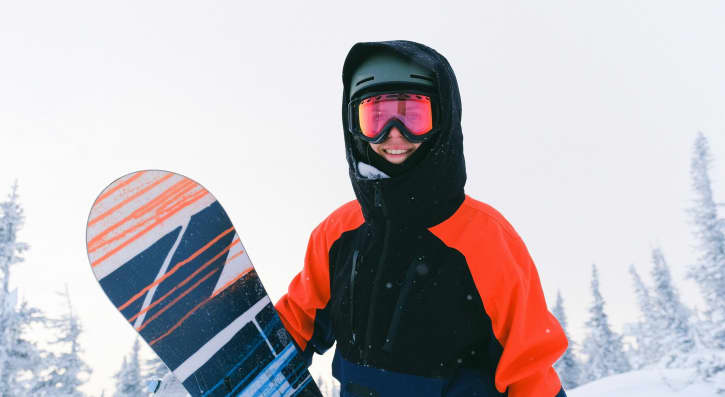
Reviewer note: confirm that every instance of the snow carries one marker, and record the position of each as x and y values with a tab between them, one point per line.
650	382
171	387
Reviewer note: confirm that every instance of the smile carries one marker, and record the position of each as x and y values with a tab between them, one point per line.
396	151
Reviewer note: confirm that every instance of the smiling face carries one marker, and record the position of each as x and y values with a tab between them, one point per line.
395	148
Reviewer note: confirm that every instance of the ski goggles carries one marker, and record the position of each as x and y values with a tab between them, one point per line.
373	116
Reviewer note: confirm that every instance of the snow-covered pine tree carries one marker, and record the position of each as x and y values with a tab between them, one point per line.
11	221
671	317
709	270
21	360
128	379
120	377
69	371
649	349
602	346
568	366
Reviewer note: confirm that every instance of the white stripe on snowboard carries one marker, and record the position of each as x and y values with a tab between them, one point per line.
233	268
149	296
201	356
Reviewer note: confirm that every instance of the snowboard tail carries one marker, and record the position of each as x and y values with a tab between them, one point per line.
167	256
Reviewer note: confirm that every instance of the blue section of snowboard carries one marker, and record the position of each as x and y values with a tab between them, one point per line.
269	321
244	356
248	355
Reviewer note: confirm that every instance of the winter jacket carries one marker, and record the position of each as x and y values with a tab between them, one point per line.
426	291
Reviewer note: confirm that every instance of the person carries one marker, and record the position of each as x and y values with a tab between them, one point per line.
425	290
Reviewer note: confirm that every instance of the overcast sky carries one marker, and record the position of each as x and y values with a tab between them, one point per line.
578	117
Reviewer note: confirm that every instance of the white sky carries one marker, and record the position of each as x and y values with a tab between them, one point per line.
579	120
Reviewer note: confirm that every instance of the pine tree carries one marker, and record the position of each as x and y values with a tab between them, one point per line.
68	370
649	348
709	270
602	346
671	317
568	366
128	378
21	360
11	222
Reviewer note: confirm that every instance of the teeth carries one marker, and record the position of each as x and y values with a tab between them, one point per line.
396	151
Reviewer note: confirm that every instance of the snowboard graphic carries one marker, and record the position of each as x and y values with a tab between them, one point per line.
169	259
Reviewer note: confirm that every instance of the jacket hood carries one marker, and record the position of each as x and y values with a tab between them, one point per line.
432	190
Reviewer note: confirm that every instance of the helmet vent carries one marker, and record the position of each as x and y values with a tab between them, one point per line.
418	76
364	80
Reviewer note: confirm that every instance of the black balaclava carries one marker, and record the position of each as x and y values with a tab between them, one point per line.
430	189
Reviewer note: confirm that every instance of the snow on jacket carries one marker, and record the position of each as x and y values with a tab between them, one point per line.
426	291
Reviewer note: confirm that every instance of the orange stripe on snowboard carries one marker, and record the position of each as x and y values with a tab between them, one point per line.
186	280
129	199
170	194
171	211
183	294
175	268
187	315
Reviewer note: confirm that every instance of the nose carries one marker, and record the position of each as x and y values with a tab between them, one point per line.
394	134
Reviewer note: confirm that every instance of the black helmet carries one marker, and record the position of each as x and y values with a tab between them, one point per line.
388	68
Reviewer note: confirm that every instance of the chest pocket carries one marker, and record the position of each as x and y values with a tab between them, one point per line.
438	319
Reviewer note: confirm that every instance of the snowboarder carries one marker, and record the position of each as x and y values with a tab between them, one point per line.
425	290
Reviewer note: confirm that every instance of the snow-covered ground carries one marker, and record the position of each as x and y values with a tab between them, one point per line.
659	383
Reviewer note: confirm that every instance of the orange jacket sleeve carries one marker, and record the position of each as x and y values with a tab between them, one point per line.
509	286
309	291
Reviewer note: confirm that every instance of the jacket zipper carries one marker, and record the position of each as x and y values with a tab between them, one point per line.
367	347
402	298
353	273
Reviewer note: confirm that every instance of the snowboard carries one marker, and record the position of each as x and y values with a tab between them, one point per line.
166	254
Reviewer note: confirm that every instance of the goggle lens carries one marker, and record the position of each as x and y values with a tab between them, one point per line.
413	110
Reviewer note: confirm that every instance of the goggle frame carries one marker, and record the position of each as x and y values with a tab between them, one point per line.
353	118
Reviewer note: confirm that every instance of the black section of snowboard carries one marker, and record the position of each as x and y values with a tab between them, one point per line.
269	320
228	305
203	228
137	273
